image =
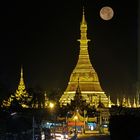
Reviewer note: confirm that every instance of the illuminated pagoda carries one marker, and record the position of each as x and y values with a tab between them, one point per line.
88	79
128	102
21	95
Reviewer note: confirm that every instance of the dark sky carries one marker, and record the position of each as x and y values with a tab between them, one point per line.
42	36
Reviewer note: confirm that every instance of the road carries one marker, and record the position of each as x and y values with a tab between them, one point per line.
93	137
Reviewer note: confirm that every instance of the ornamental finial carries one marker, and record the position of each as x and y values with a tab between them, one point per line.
21	74
83	18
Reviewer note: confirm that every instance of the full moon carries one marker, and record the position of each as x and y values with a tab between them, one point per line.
106	13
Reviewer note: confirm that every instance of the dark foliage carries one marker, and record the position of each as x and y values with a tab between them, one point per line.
38	97
4	92
124	127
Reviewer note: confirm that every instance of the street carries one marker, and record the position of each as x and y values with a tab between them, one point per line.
91	137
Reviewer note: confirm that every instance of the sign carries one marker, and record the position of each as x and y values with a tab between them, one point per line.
76	123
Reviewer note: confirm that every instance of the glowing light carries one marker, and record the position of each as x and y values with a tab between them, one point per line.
51	105
14	113
106	13
75	118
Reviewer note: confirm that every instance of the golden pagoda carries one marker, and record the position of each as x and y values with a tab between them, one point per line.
21	91
84	71
20	95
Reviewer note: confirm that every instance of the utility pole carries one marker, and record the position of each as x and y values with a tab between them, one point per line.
85	112
33	128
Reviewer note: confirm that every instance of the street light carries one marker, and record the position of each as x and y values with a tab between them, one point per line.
52	109
51	105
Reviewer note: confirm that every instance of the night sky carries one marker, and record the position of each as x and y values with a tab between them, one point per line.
42	37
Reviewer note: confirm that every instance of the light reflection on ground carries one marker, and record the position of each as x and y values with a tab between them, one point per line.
93	137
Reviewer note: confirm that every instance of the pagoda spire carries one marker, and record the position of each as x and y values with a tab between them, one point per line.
21	91
129	104
134	103
83	18
21	85
83	29
118	102
109	102
124	103
21	73
137	99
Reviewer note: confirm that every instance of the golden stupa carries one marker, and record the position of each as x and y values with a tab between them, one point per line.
84	72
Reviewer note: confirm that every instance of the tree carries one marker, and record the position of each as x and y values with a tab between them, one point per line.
38	97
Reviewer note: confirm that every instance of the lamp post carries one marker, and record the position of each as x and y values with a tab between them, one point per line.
33	128
67	122
75	119
85	112
51	106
